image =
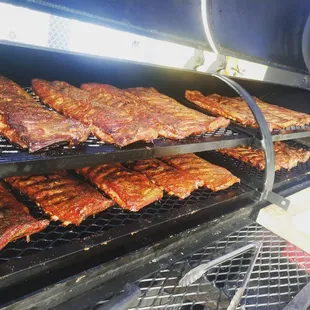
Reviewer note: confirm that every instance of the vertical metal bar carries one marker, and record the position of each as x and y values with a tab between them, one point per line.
266	138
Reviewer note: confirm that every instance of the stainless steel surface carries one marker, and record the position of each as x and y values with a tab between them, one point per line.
275	279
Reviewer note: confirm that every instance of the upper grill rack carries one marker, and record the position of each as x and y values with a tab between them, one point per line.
15	161
293	132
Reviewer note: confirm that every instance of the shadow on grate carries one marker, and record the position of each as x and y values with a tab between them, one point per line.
274	281
114	217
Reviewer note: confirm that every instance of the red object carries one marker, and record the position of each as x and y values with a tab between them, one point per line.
237	110
176	121
297	256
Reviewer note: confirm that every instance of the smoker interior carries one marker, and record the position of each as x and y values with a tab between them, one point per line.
52	255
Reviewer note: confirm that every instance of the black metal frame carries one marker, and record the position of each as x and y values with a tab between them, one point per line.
14	161
265	141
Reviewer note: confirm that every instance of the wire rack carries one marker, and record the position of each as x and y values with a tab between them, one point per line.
275	280
247	172
14	160
115	217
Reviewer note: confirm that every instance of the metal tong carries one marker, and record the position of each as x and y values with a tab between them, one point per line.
196	273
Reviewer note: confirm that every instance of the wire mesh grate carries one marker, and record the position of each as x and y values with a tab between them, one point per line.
246	171
114	217
279	274
292	128
12	153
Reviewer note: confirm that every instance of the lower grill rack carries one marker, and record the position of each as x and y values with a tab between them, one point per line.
275	280
113	218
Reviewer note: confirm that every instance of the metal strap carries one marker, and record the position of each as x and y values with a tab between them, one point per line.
265	142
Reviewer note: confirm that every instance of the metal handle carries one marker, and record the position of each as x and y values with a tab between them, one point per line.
239	293
122	301
266	141
194	274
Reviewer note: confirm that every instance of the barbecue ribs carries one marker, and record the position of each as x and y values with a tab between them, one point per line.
237	110
285	156
130	189
108	116
175	120
173	181
15	220
62	197
213	177
28	124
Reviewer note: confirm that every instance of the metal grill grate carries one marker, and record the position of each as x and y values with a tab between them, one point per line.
275	280
288	133
292	128
114	217
245	171
12	158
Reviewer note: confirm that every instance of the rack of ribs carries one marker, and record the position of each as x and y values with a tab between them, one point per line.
237	110
30	125
286	157
176	120
15	220
130	190
108	116
213	177
61	196
174	182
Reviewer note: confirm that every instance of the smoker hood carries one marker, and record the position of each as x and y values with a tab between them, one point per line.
275	33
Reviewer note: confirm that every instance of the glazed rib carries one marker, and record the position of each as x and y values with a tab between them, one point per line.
15	220
133	121
130	190
173	181
62	197
108	116
213	177
175	120
28	124
237	110
285	156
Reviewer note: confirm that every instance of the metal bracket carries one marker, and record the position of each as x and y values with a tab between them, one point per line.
266	138
278	200
195	61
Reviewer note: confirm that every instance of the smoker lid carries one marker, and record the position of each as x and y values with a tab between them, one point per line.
275	33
